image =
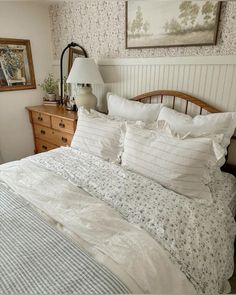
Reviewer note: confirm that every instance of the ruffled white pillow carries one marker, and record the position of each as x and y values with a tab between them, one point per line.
219	126
99	136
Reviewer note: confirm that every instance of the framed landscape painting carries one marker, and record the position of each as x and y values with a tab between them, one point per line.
151	23
16	65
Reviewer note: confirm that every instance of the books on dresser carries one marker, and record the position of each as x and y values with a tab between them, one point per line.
50	102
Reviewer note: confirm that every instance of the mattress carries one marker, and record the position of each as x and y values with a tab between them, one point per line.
145	234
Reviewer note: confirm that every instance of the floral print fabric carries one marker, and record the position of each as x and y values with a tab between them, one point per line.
199	238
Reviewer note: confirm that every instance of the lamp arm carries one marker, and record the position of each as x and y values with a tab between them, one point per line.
72	44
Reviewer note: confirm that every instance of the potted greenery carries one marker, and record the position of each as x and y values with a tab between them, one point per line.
50	86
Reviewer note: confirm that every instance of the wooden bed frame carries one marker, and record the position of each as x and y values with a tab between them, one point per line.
162	94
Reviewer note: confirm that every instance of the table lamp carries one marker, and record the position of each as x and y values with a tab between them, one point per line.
70	45
85	72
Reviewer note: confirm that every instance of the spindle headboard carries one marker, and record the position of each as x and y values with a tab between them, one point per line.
161	95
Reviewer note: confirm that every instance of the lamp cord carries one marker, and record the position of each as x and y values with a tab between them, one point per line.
72	44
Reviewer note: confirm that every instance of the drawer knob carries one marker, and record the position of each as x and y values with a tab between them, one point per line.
42	132
44	147
40	119
61	125
64	139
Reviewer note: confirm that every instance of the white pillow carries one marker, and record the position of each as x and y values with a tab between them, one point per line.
181	165
132	110
202	125
99	136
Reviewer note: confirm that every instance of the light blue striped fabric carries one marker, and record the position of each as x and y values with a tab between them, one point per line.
37	259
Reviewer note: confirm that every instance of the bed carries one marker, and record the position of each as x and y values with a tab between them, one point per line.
71	222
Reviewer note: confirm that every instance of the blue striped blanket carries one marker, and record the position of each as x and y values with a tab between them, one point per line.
37	259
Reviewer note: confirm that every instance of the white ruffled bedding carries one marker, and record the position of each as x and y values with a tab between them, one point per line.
223	189
197	239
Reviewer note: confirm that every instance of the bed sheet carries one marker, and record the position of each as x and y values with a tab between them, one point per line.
223	189
145	256
127	250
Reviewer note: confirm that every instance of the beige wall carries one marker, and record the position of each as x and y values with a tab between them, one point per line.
23	20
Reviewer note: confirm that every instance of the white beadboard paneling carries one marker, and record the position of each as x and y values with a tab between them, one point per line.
211	78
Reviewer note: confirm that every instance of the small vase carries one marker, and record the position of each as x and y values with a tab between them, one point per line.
51	96
86	98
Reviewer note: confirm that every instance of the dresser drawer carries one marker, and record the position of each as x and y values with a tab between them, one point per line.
43	146
63	125
62	138
44	133
41	119
52	136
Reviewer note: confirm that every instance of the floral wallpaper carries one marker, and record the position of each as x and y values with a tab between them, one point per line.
99	25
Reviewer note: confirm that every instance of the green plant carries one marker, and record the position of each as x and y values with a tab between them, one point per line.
49	85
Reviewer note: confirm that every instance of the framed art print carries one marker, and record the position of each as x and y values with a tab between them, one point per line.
73	54
16	65
151	23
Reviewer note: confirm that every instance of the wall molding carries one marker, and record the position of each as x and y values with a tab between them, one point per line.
187	60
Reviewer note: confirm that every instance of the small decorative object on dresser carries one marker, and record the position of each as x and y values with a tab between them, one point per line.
50	86
52	127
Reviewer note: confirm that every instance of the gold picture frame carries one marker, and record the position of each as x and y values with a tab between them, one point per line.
16	65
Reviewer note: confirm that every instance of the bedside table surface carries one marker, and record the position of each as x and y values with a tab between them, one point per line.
55	111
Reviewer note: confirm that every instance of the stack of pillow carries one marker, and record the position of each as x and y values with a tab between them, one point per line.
172	148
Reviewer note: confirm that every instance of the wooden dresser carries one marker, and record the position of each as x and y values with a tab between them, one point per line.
52	127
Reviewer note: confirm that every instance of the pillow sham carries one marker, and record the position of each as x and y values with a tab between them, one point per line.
99	136
132	110
181	165
202	125
121	120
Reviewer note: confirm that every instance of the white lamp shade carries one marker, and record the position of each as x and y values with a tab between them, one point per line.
84	71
